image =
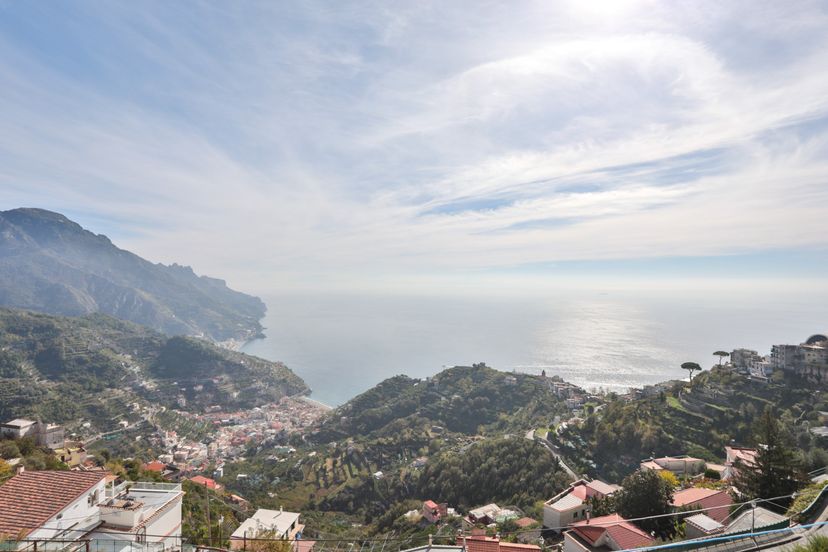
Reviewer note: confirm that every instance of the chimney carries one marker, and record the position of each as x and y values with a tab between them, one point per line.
20	469
588	516
281	509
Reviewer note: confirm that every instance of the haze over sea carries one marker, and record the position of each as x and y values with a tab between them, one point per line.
344	343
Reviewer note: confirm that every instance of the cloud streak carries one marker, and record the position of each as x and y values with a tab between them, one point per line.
282	144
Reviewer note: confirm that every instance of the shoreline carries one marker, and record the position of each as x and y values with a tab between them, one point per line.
314	402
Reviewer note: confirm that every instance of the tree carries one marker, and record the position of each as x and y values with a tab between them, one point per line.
9	450
26	445
669	477
603	506
775	471
691	367
268	541
721	355
645	494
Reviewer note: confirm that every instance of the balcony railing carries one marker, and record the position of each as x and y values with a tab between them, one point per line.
155	486
114	490
84	545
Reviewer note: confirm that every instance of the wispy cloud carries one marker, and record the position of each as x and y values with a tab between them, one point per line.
275	144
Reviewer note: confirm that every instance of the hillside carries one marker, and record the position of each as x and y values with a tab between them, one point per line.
95	367
458	437
462	399
719	408
50	264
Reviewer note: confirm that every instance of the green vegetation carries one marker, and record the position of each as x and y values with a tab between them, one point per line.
645	494
33	457
804	498
817	543
223	517
96	367
716	409
463	399
776	473
455	423
513	471
691	367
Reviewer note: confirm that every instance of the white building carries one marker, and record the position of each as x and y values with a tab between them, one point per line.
572	505
45	435
147	513
680	465
64	506
742	359
809	358
271	523
600	534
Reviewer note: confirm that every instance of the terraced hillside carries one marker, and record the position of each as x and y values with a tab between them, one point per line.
96	368
718	408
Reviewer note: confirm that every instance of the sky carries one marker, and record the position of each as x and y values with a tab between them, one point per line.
285	145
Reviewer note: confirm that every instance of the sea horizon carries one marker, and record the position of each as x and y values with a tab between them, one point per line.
342	344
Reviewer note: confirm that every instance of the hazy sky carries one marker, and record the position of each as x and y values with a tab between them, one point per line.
300	143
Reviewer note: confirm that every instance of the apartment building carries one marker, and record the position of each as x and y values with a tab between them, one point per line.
65	506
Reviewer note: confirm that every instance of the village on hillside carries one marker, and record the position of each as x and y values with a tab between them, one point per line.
80	499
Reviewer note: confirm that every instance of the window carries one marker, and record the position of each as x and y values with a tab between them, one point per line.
93	498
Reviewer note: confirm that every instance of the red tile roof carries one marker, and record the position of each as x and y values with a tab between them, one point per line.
30	499
621	531
629	536
155	466
490	544
715	502
516	547
525	522
482	544
205	481
430	504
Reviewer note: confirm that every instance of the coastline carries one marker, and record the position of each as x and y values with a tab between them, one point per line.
314	402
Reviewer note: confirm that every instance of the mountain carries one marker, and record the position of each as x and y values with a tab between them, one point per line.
50	264
458	437
462	399
97	368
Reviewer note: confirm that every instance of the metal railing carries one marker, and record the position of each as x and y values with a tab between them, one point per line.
87	545
154	486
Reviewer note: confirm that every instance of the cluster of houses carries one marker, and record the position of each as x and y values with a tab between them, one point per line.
809	359
569	513
75	506
51	436
87	503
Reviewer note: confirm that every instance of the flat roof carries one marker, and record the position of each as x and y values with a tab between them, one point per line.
705	523
266	520
19	422
566	503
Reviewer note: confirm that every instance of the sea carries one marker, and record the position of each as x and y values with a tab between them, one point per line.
342	344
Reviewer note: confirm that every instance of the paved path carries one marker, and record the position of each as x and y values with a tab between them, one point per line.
557	454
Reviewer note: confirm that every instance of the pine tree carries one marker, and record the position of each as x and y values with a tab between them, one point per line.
776	471
646	494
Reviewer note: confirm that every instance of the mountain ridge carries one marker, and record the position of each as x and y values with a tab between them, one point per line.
94	367
51	264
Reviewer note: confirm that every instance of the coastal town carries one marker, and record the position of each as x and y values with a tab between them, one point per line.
703	495
372	276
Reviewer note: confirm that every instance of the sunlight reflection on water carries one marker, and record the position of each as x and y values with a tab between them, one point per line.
343	344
